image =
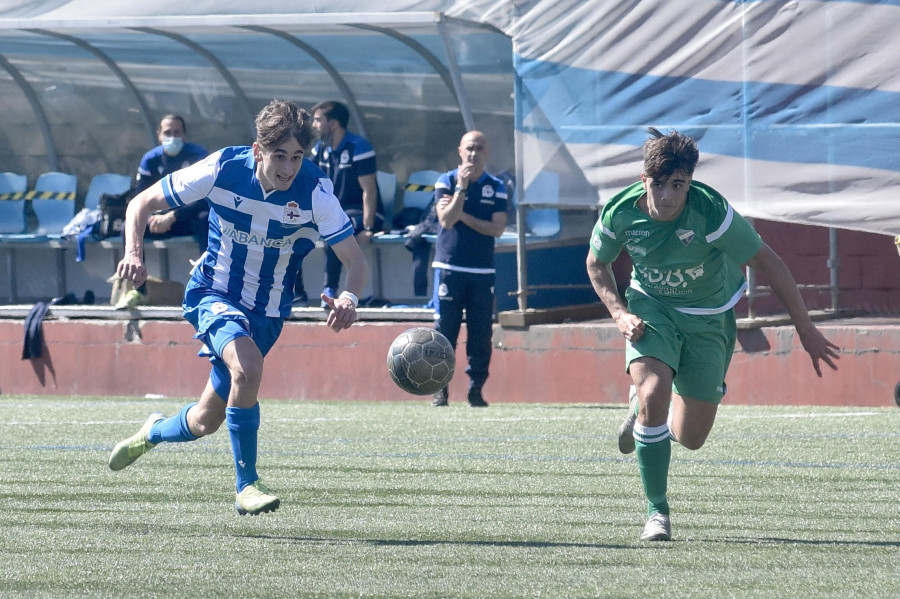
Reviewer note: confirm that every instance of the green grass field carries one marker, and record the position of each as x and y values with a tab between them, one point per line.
402	500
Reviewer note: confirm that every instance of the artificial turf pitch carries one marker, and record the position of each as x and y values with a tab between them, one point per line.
404	500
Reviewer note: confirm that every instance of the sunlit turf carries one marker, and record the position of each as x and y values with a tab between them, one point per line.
403	500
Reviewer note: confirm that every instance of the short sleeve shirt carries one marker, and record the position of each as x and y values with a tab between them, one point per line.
353	158
156	164
462	248
257	240
693	263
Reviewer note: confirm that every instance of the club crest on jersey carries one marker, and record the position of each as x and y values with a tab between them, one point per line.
292	214
685	236
345	157
487	191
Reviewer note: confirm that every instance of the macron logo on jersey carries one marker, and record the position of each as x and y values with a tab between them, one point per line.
237	201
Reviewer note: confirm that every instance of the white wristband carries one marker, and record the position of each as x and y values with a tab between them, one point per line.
347	295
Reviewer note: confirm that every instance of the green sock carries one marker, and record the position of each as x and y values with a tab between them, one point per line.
654	452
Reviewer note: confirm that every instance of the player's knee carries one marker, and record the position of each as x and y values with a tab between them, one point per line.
206	428
692	442
246	373
245	368
206	422
692	445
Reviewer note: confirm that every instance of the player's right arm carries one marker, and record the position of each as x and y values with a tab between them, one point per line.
449	202
604	282
604	249
131	267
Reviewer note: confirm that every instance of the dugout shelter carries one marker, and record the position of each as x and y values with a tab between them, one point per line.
796	105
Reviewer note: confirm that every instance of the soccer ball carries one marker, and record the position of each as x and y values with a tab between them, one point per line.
421	361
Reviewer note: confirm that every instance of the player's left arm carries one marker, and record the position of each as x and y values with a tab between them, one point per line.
343	308
785	287
369	187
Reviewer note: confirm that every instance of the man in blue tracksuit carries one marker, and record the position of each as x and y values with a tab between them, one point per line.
471	210
349	161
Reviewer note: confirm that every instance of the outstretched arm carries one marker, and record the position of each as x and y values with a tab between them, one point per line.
785	287
140	208
343	310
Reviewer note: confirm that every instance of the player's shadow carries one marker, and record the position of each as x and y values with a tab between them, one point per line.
435	542
753	340
787	541
43	365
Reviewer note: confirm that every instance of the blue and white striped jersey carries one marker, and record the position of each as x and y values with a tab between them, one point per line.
257	240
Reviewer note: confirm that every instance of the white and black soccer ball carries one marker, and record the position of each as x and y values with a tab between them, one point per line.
421	361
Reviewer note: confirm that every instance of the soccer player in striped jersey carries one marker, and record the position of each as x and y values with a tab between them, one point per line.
688	247
268	206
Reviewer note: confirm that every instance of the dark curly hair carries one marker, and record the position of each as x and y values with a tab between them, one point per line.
280	120
665	155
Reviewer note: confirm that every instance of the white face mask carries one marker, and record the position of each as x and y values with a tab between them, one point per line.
172	145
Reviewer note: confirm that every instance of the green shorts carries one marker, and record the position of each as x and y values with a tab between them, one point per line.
697	348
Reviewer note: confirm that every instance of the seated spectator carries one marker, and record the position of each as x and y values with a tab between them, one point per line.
173	153
349	161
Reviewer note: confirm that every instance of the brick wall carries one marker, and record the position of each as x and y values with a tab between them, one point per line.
868	273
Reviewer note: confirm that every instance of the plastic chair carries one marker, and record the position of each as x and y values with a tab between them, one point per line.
12	202
53	201
387	187
419	189
111	183
543	222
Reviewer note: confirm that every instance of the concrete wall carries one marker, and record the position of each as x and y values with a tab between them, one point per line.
579	362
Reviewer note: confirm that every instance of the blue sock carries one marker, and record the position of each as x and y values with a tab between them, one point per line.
243	427
174	429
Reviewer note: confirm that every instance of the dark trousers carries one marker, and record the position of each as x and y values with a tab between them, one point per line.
474	294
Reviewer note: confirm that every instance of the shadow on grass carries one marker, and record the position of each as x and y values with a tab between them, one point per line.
783	541
434	543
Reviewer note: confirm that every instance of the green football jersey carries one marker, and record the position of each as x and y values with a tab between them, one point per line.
693	263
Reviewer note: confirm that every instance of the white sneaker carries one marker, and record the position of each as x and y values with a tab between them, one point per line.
658	528
626	430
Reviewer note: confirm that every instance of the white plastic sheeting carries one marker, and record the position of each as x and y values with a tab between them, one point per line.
796	105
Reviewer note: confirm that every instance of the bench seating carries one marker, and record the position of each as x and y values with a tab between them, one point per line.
15	249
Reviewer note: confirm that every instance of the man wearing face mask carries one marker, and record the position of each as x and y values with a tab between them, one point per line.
173	154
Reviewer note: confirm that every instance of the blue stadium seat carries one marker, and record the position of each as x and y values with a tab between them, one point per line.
419	189
543	222
387	187
53	201
12	202
111	183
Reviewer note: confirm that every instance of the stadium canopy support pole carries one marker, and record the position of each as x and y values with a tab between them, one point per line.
834	262
521	257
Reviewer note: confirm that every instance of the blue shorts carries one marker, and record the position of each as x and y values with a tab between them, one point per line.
219	320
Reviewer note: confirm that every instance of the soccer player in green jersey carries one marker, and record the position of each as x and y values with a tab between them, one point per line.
688	247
